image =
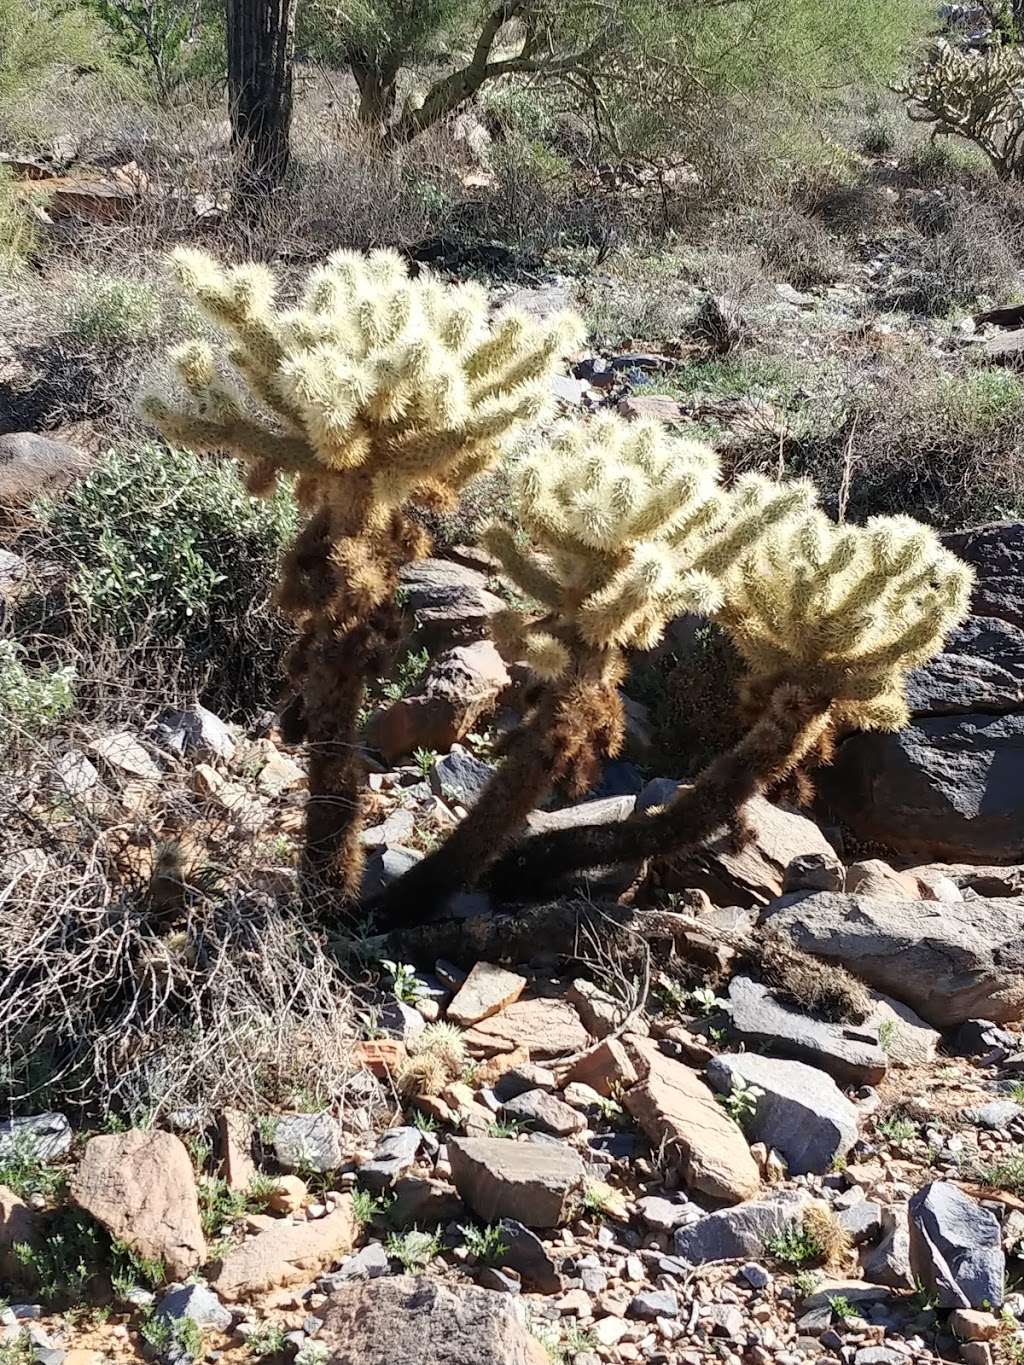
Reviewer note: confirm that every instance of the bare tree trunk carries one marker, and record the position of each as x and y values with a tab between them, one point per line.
261	35
378	91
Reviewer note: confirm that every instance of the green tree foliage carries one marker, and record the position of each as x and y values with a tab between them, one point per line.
603	55
37	36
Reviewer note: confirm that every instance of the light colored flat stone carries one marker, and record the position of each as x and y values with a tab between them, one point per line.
487	990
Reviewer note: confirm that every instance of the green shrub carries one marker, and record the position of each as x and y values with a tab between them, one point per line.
17	226
32	700
37	36
169	558
105	311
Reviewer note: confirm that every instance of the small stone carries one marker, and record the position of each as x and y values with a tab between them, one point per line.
308	1141
546	1113
969	1324
548	1028
486	991
395	1153
367	1263
123	752
195	1303
726	1320
517	1080
194	732
665	1215
288	1195
402	1021
996	1114
609	1331
976	1353
606	1068
654	1303
755	1275
526	1254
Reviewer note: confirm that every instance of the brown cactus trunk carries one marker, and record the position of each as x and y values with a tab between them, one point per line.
260	39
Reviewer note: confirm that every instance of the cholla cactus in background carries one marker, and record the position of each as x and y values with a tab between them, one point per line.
828	620
976	96
845	612
376	391
623	526
436	1057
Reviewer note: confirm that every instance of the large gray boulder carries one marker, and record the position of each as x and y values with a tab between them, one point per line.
949	960
742	1232
411	1318
801	1112
956	1248
951	785
851	1054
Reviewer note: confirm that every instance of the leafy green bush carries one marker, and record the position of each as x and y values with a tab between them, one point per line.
108	311
37	36
32	700
169	558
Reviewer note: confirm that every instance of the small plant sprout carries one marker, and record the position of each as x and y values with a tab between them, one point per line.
487	1244
842	1308
414	1250
896	1128
366	1206
267	1340
742	1101
887	1035
425	760
404	984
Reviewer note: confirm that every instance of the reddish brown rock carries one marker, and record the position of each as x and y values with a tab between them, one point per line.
548	1028
459	690
415	1319
18	1224
606	1068
140	1185
487	990
674	1107
285	1254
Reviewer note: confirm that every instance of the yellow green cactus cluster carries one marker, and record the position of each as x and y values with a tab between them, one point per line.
844	611
623	527
404	387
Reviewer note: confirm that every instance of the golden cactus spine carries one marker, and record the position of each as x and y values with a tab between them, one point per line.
376	392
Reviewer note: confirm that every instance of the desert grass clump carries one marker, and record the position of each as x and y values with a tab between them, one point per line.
377	392
621	528
819	988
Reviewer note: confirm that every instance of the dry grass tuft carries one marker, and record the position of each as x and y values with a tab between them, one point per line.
814	986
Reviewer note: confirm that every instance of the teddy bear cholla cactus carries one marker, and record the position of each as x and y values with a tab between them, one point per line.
622	528
977	96
376	391
847	612
829	621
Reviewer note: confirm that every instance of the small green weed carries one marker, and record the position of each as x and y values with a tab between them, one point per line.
795	1245
366	1206
506	1127
267	1340
487	1244
414	1249
842	1307
32	700
887	1034
806	1282
68	1259
742	1101
1006	1174
896	1128
404	985
129	1271
425	760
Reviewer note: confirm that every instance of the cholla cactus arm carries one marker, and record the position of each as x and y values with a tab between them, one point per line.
629	527
829	621
847	611
378	391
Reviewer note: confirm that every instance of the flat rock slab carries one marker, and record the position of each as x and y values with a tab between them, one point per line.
548	1028
538	1184
545	1112
285	1254
849	1053
486	991
674	1107
41	1137
801	1112
906	1038
956	1249
740	1233
308	1142
140	1185
396	1151
754	874
412	1319
949	961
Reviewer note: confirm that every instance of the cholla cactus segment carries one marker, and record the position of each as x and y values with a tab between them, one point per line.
626	526
976	96
845	611
378	387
